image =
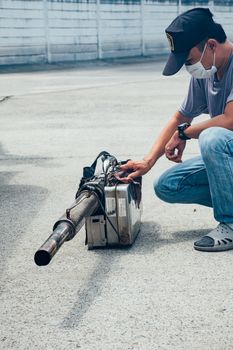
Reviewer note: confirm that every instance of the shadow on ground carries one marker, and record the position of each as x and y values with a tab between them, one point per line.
151	238
19	204
8	159
148	241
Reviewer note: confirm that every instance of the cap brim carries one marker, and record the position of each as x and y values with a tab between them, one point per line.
175	62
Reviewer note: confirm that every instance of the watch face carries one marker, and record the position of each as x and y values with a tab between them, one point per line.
183	126
181	132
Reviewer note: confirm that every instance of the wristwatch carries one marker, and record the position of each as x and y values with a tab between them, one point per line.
181	128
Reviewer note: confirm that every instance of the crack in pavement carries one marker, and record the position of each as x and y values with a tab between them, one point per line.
4	98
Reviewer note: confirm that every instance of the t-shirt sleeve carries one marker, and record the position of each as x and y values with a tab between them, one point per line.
195	102
230	96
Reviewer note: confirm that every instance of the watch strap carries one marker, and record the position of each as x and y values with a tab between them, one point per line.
181	131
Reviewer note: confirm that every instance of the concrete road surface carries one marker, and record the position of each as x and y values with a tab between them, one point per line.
158	295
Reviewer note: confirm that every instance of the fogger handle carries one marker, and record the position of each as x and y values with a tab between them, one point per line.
67	227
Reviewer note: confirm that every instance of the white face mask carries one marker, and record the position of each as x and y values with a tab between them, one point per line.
197	70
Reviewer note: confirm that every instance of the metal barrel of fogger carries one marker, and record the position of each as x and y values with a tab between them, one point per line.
67	226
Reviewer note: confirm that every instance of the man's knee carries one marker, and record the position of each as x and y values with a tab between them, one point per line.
158	187
163	190
214	139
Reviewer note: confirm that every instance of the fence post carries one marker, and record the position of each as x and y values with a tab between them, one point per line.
142	10
179	7
98	27
211	5
46	30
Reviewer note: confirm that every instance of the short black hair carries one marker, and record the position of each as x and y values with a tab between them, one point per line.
218	34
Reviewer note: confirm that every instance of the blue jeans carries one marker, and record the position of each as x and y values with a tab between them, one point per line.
205	180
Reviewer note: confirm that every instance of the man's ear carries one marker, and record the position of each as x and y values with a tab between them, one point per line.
212	43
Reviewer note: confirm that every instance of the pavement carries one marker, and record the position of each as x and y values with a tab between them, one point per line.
160	294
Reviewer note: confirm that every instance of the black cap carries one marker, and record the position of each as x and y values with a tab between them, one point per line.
186	31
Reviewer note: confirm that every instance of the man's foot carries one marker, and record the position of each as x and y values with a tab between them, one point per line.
218	240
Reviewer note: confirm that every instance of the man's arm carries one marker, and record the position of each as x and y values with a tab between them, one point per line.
158	149
223	120
174	148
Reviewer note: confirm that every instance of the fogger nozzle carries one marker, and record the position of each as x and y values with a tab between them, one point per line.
67	227
42	257
61	233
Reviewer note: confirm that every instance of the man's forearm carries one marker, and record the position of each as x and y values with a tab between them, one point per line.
158	148
222	120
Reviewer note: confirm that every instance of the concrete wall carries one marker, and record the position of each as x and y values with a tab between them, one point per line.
35	31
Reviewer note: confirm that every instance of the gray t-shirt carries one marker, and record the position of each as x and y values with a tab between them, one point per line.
209	95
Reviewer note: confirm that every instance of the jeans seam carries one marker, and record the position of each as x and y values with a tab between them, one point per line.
224	153
227	154
186	177
226	144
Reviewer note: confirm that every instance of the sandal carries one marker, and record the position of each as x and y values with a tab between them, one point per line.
218	240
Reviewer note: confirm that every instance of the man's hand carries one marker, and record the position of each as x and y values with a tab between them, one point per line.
174	148
138	168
